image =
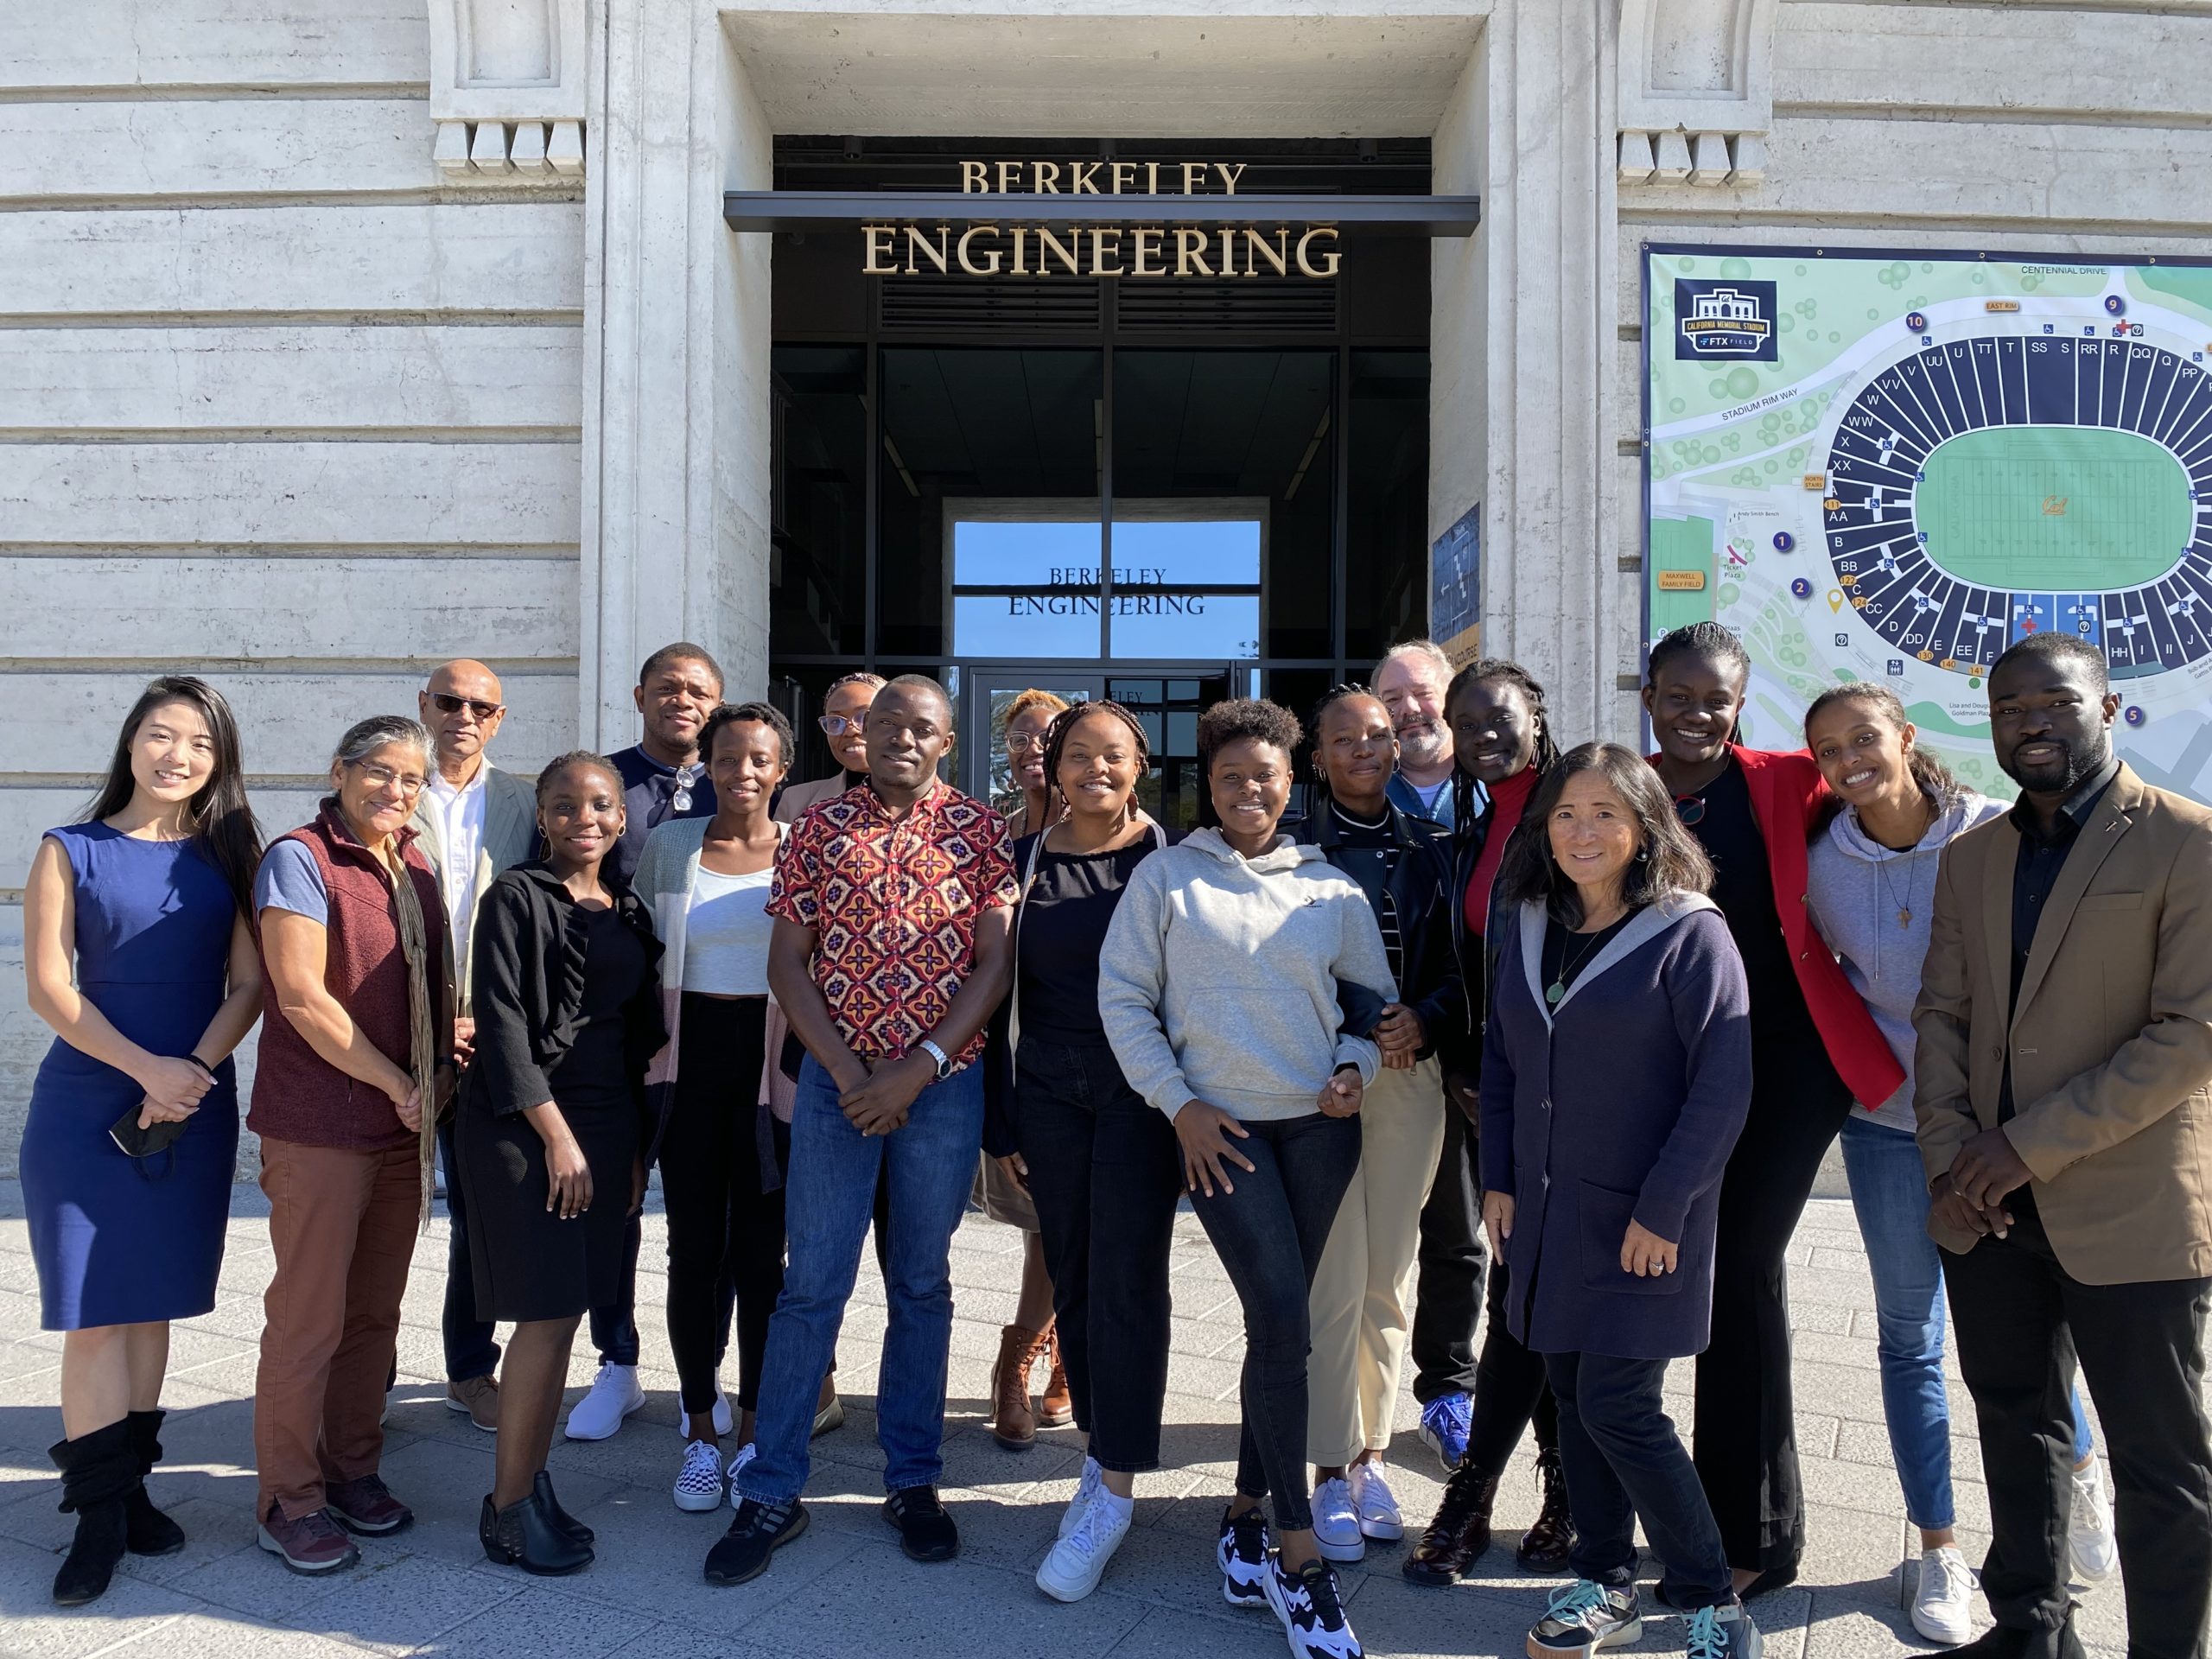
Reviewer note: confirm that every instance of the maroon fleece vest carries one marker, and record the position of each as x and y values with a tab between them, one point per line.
297	1094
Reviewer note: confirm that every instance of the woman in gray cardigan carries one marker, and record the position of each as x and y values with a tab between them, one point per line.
1217	990
1616	1075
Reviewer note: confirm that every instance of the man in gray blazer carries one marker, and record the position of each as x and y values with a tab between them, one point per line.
475	821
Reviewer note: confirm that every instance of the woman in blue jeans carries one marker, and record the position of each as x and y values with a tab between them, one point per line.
1872	889
1218	988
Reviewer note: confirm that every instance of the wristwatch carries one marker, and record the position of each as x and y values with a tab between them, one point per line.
943	1060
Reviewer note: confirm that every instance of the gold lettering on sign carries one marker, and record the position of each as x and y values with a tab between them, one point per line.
936	254
1009	171
1020	243
1277	256
877	240
1327	267
967	261
1194	174
1101	240
1229	174
974	176
1084	178
1191	253
1146	237
1121	169
1070	257
1048	178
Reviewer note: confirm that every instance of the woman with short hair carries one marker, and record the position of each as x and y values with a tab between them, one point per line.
1218	988
554	1133
1616	1072
355	1060
138	950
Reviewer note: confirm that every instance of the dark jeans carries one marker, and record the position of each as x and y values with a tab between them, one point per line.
614	1327
471	1350
1622	1458
2019	1319
1744	1421
1105	1174
1510	1390
1448	1299
725	1234
1269	1234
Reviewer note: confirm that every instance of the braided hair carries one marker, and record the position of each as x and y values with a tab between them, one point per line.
1489	670
1056	741
1318	794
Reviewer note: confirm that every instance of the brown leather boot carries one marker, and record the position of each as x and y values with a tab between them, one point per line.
1013	1425
1459	1534
1055	1409
1543	1547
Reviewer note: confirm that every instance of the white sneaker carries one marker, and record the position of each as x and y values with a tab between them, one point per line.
1091	1484
1075	1564
1377	1508
616	1393
1943	1608
1336	1522
699	1484
744	1455
2088	1529
723	1421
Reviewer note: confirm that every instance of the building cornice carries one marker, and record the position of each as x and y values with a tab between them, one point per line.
507	88
1696	90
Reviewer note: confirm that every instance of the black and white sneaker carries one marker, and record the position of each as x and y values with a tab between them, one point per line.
1723	1633
755	1534
1585	1616
1244	1551
925	1531
1312	1611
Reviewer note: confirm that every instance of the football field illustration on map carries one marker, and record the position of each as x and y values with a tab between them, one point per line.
1891	467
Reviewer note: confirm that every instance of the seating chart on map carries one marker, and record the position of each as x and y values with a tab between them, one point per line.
1892	467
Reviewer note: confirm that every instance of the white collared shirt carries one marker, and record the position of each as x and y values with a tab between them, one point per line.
459	813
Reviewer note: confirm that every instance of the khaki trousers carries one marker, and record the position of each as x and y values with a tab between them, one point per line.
1358	1302
342	1224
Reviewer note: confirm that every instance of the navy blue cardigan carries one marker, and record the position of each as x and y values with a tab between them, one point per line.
1624	1101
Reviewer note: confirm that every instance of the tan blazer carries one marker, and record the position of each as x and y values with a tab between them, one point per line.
792	805
510	834
2111	1043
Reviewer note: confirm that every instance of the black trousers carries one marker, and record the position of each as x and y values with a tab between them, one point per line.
1105	1174
725	1234
1511	1390
1449	1297
1745	1427
2020	1320
472	1351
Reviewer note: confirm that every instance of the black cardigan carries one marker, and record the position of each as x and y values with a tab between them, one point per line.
529	945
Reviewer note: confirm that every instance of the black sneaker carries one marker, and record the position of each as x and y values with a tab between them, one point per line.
925	1531
1585	1616
1312	1611
758	1531
1243	1551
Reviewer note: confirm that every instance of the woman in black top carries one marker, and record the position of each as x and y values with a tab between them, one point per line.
1102	1166
552	1138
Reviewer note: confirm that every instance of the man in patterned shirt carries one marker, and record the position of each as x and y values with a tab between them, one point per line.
891	951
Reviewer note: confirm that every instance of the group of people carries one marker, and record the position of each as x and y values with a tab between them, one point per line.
1560	1035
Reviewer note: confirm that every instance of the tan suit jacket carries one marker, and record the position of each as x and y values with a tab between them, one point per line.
510	833
2111	1043
792	805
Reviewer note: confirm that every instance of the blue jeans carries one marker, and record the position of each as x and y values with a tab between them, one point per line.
1889	1189
828	1196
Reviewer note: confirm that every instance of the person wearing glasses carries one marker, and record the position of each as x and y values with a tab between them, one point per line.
1814	1049
472	821
663	777
1001	1184
844	722
355	1061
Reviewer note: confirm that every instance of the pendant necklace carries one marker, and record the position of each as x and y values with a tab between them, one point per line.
1904	909
1557	989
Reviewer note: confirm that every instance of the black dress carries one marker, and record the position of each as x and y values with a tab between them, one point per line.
580	1034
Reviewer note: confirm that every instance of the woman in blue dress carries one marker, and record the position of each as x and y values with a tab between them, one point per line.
139	955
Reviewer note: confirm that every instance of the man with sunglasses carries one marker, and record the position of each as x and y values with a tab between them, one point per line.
472	821
843	722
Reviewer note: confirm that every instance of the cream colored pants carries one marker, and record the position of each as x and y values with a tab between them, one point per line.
1358	1304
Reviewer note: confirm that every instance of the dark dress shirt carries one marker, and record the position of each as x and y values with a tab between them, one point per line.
2035	873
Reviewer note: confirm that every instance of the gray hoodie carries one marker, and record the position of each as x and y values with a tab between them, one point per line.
1218	978
1856	889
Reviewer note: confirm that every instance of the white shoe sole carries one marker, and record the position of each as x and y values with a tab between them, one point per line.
1356	1550
1076	1589
1951	1635
698	1503
1383	1532
1632	1631
568	1428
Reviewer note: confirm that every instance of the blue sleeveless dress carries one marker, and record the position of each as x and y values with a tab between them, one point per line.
119	1240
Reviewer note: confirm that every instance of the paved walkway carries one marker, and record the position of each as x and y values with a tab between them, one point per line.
845	1589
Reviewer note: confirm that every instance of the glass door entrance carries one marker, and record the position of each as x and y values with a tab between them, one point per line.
1166	701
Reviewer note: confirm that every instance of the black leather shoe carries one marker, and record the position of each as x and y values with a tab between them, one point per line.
1461	1533
1544	1547
540	1487
925	1531
525	1534
2001	1642
757	1533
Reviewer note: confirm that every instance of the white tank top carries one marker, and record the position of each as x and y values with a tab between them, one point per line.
726	934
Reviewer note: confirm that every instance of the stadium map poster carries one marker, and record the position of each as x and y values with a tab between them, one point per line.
1892	467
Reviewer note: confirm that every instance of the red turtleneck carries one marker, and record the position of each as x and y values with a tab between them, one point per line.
1506	801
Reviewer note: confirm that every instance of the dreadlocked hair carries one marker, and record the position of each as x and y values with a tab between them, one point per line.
1056	742
1934	779
1489	670
1319	790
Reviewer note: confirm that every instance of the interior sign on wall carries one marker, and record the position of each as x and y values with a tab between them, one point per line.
1006	247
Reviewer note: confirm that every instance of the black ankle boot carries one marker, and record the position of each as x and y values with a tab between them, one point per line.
149	1531
526	1535
540	1487
98	1471
1543	1547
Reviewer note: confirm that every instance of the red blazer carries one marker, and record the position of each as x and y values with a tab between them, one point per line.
1787	790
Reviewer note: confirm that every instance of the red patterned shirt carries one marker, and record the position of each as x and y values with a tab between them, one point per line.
894	905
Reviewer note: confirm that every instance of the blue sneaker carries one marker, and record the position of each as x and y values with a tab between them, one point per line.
1446	1423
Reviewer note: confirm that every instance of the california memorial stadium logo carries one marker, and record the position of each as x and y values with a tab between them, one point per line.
1728	319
